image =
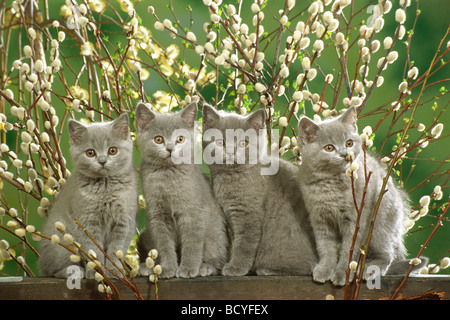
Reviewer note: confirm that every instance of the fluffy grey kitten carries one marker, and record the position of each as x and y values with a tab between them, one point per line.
101	194
265	213
325	149
184	222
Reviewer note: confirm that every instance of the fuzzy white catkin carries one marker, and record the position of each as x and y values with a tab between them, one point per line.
242	88
38	66
353	266
297	96
157	269
158	26
75	258
400	16
444	263
26	137
413	72
191	36
311	74
149	262
284	72
259	87
392	56
340	38
318	45
437	130
283	122
306	63
27	51
387	42
55	239
68	238
153	253
20	232
58	225
403	87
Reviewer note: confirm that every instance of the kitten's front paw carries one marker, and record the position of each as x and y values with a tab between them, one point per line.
90	273
234	271
322	273
339	277
144	271
187	272
168	272
207	269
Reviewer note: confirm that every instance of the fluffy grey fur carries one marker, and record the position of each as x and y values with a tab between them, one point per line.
325	147
184	222
101	194
265	213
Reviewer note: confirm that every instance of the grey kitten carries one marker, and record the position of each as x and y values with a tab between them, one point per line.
325	149
184	222
265	213
101	194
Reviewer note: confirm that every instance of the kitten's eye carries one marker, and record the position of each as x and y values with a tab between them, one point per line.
90	153
112	151
180	139
243	143
220	142
158	139
328	148
349	143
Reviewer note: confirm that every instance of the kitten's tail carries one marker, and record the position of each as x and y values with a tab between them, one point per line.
402	266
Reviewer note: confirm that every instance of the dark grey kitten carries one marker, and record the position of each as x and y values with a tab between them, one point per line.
184	222
325	149
101	194
265	213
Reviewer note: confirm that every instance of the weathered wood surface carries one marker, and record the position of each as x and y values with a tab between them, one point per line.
222	288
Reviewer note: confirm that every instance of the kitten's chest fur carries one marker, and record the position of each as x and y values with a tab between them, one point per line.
238	188
107	197
329	196
170	188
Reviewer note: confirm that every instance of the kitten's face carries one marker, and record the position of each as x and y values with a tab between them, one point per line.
327	145
101	150
232	139
166	139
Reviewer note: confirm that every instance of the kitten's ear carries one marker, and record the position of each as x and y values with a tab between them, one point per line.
210	116
308	130
120	126
257	120
189	114
143	116
349	117
77	130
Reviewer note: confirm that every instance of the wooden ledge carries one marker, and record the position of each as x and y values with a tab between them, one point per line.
223	288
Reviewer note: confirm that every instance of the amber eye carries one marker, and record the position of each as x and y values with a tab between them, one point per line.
159	139
180	139
90	153
220	143
328	148
112	151
243	143
349	143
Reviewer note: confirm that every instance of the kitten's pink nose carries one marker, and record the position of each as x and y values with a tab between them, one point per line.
102	160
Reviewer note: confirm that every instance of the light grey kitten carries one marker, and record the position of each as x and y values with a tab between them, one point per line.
265	213
101	194
325	149
184	222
